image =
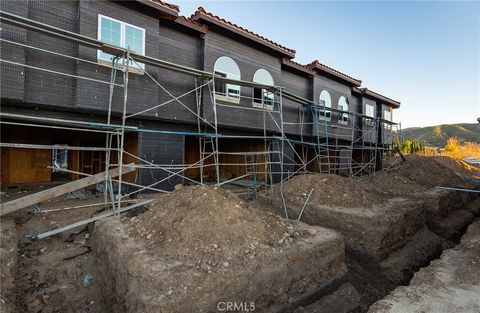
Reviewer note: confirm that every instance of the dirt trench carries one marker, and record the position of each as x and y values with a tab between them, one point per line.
384	248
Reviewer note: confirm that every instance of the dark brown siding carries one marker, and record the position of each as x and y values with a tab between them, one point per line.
249	60
12	84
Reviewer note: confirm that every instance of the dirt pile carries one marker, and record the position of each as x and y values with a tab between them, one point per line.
433	171
210	228
418	174
200	245
332	190
390	183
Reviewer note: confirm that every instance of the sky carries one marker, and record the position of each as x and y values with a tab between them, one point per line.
425	54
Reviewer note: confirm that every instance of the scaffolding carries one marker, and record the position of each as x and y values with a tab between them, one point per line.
347	147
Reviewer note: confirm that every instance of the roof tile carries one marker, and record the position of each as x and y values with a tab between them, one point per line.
317	64
298	66
168	5
201	10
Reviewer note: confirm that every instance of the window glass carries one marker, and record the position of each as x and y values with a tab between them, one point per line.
111	32
325	100
226	67
121	34
343	105
134	39
369	110
387	115
263	96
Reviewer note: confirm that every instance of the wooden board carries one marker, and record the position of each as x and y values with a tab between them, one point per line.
32	199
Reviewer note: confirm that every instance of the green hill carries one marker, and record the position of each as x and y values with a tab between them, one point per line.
436	136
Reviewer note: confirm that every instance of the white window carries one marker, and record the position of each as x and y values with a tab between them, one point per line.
325	100
343	106
120	34
387	115
370	113
263	98
226	67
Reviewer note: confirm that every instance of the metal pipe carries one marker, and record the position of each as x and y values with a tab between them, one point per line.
305	204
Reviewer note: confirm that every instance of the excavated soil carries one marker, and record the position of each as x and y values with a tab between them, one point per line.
199	240
8	257
449	284
332	190
419	174
393	222
201	245
206	226
47	275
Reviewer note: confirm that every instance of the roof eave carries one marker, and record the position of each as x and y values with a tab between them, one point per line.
297	67
201	16
165	11
190	24
377	96
352	81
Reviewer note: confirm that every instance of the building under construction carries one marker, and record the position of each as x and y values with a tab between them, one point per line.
90	85
104	100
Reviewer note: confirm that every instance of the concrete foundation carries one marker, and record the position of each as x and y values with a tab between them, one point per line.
135	281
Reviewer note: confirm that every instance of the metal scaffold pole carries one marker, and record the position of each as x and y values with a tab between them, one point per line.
108	136
126	60
215	146
282	152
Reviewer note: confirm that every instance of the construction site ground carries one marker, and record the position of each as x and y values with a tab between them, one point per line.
187	251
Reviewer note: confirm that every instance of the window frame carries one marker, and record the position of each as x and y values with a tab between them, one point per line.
389	111
100	60
390	119
264	93
226	96
343	117
327	115
369	120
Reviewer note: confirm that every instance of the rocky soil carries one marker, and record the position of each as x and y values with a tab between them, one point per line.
210	228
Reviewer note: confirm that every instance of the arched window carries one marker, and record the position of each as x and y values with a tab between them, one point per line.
226	67
343	105
263	96
325	100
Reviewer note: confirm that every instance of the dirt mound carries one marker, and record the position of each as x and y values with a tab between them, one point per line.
458	166
431	171
330	190
390	183
208	227
418	174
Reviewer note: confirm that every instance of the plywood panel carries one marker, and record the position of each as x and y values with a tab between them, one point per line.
25	165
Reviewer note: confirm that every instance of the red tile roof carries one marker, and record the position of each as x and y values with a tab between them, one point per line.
201	12
191	24
168	5
298	66
317	65
165	9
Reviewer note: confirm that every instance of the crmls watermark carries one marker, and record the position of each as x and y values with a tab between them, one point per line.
230	306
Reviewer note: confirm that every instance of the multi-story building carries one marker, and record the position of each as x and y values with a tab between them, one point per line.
208	99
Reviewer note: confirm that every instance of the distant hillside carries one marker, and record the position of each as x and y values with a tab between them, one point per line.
437	136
